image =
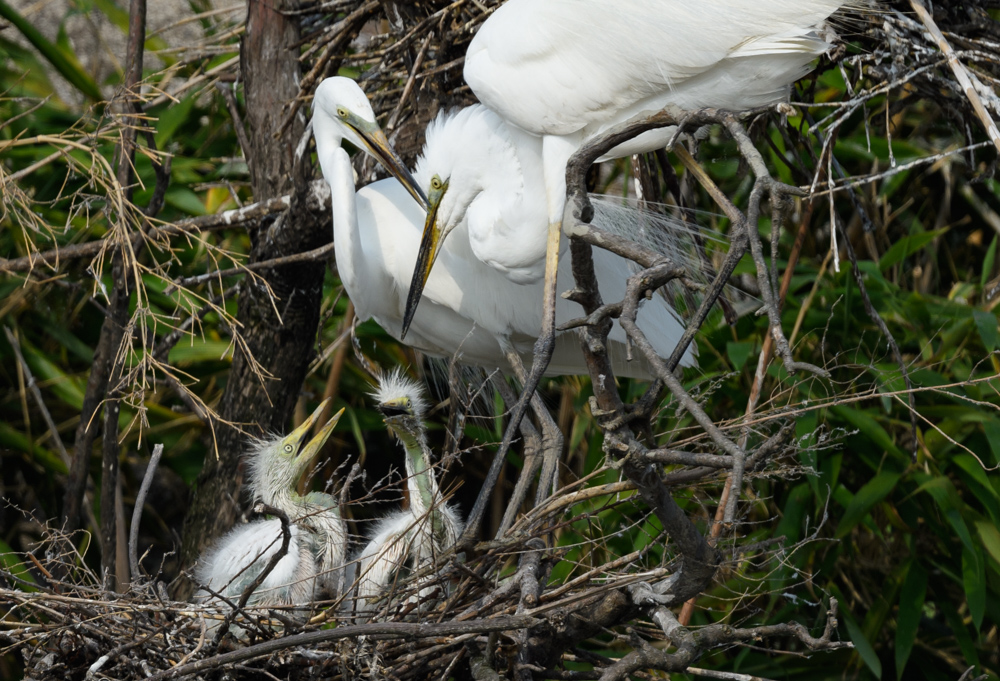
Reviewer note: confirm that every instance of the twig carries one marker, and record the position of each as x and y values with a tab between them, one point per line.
961	75
373	630
140	501
37	394
313	255
319	194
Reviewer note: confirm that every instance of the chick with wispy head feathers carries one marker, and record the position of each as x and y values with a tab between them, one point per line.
412	538
318	543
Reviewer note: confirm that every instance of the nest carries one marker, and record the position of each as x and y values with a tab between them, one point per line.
67	625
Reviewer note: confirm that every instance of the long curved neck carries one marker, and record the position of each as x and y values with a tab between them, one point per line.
425	497
338	173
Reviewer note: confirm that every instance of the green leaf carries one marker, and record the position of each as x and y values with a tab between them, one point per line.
947	499
18	441
64	62
869	495
911	605
67	388
870	428
974	581
991	429
991	255
991	539
12	564
863	647
186	200
961	632
739	353
172	118
200	350
907	246
986	322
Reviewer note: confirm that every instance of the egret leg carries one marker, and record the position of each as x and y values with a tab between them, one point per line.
532	446
552	438
552	444
556	151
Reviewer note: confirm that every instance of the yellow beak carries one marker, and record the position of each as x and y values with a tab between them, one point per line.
430	244
379	146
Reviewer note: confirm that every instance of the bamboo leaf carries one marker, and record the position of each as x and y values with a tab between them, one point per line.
986	322
911	605
907	246
867	496
974	580
863	646
991	539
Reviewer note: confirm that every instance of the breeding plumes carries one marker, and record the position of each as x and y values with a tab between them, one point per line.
411	539
470	306
318	536
484	180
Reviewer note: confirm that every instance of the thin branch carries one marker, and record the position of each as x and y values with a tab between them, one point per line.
140	501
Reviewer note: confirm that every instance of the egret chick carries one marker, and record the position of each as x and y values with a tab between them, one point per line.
413	538
318	542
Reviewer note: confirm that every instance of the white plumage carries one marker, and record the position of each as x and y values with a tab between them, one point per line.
568	70
318	537
469	306
234	563
568	67
411	539
484	178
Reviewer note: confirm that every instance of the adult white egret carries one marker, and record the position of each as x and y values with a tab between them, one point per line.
318	544
470	306
413	538
568	70
484	180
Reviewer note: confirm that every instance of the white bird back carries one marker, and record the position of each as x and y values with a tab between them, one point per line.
236	560
582	65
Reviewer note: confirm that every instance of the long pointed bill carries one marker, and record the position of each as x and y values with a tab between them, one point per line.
298	436
379	146
430	244
315	445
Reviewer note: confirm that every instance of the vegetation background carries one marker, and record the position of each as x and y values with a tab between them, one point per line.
904	531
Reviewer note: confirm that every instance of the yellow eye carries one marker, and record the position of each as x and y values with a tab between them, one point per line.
289	449
342	112
436	182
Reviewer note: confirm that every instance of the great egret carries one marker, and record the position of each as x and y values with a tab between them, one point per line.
318	544
415	537
484	180
469	306
568	70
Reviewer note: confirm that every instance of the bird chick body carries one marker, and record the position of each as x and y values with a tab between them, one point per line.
413	538
318	542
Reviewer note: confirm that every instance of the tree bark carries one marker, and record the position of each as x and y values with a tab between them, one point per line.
279	330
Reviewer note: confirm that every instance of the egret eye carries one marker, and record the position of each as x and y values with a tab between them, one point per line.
289	449
436	182
342	112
